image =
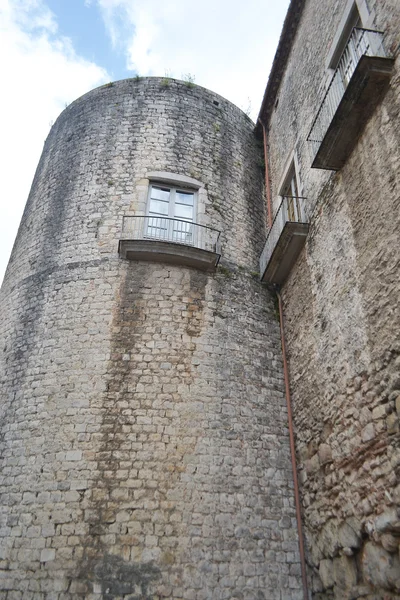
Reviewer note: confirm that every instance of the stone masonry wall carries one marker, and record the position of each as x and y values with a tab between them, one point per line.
341	313
143	431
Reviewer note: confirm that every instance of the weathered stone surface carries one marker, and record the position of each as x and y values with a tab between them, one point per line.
47	554
379	412
392	422
340	301
348	537
326	573
324	454
344	572
312	465
388	521
368	433
380	568
390	542
143	428
329	539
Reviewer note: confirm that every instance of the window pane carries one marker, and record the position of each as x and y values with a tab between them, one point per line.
293	184
159	207
184	198
160	193
287	190
290	188
157	232
182	232
290	209
158	222
157	227
183	212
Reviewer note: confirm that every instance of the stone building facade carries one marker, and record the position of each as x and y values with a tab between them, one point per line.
330	120
144	431
143	426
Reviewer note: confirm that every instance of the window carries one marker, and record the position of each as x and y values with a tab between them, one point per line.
352	20
352	43
168	223
171	212
356	14
352	40
291	196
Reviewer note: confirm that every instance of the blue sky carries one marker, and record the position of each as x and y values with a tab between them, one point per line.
53	51
82	22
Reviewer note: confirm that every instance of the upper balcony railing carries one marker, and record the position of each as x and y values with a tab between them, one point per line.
362	42
164	239
286	237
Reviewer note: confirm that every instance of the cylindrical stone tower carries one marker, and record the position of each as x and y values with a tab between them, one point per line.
143	431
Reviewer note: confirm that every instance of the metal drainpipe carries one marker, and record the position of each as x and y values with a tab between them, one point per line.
267	186
287	389
293	453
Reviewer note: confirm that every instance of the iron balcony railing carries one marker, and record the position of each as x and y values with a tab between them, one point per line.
166	229
292	209
361	42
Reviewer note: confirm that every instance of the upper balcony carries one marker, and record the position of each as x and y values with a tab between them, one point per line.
359	80
284	241
162	239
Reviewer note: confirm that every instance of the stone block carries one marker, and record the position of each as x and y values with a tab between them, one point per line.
390	542
388	521
47	554
365	415
379	412
324	453
368	433
348	537
73	455
392	422
345	572
326	573
329	538
379	567
312	465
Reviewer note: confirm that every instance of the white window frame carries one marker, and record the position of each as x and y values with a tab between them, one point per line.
175	228
354	9
292	171
172	189
341	37
139	203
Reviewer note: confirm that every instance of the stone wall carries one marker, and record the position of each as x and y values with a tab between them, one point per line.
341	315
143	430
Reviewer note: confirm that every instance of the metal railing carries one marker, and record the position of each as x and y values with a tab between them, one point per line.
166	229
361	42
292	209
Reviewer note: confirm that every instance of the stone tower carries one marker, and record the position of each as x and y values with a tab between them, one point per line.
143	431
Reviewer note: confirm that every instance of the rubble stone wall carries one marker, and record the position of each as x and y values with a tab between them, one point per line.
143	430
341	310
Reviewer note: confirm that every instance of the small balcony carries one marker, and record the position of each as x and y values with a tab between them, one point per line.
360	79
162	239
285	240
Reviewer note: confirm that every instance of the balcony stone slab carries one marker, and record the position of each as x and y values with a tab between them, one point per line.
290	243
168	252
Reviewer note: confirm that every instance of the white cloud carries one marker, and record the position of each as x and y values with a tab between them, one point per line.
227	44
40	73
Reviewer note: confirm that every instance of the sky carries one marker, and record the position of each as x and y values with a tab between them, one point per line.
53	51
